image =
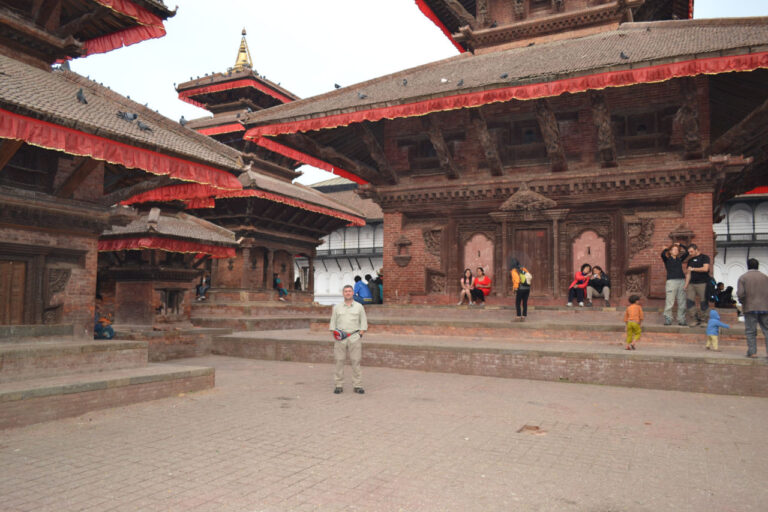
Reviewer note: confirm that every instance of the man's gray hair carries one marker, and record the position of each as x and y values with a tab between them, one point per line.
347	286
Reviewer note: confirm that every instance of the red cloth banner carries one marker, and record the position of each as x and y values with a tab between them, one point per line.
424	8
52	136
131	10
758	190
150	27
234	84
303	157
225	128
199	196
650	74
165	244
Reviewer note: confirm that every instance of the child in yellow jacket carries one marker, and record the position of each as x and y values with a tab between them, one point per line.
633	317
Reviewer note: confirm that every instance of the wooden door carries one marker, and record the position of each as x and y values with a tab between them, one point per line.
13	276
531	248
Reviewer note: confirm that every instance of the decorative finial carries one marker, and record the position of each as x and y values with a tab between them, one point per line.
243	30
243	56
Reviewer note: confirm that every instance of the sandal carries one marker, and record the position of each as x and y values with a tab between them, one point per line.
632	346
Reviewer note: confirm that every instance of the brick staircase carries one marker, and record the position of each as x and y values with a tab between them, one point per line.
555	343
48	373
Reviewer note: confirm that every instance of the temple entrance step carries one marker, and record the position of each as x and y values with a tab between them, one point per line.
561	331
45	358
682	367
256	323
217	295
205	309
44	399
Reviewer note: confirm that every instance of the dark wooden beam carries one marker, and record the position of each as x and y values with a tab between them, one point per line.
331	155
77	177
124	193
222	220
733	140
75	25
601	118
377	152
8	148
551	133
47	14
687	117
437	139
461	13
486	141
247	228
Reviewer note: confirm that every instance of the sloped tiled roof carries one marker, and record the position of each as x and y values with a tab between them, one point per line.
631	46
51	96
177	225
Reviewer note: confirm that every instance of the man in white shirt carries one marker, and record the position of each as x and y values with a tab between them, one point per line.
349	318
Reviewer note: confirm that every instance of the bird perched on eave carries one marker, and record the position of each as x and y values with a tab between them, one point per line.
127	116
624	56
336	86
81	97
144	127
361	95
405	82
504	75
183	121
460	83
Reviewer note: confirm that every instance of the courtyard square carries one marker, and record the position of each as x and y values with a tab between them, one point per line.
271	436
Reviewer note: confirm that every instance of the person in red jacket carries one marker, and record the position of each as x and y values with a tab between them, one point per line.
482	286
579	284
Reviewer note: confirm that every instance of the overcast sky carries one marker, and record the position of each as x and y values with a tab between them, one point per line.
305	45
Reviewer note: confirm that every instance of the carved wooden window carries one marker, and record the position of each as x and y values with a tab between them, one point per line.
31	168
12	287
171	300
519	141
643	132
422	155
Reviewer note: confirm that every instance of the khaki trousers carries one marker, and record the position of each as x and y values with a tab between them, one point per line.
712	341
354	346
696	290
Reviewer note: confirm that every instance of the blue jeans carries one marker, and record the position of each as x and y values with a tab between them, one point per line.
362	300
751	321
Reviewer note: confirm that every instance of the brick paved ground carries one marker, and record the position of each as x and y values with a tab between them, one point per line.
272	437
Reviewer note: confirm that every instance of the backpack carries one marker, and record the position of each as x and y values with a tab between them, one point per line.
525	278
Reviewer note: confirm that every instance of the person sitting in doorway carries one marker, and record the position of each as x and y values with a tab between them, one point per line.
579	284
282	293
373	288
362	292
102	321
202	289
467	283
482	286
297	284
599	285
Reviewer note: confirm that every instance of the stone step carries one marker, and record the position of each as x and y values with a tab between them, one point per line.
257	323
255	309
23	333
34	401
40	359
173	343
215	295
676	367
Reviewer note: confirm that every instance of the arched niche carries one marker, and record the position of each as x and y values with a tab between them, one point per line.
478	252
589	247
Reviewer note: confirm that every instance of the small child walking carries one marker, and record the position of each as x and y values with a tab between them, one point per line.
713	330
633	317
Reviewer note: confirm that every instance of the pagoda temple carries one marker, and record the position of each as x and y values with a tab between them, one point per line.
566	132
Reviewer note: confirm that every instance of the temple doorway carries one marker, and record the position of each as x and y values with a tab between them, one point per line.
589	247
12	284
478	252
531	248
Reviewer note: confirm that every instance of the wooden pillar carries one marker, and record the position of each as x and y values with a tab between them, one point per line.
246	267
556	216
270	270
311	278
505	258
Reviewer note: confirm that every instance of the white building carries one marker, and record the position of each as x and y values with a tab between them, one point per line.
350	251
742	234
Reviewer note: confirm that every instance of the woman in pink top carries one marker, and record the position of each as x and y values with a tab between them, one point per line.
467	283
579	284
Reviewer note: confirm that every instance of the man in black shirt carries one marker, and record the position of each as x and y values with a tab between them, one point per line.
673	258
697	275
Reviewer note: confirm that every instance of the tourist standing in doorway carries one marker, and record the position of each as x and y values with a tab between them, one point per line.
579	284
752	291
696	285
521	285
675	287
348	324
482	286
467	283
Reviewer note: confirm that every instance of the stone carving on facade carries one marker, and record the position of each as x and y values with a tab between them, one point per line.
432	240
636	281
403	256
519	9
550	131
482	12
57	283
436	281
639	233
682	234
526	200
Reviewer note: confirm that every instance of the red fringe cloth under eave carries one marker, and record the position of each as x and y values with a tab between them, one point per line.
424	8
217	130
52	136
165	244
623	78
235	84
150	27
200	196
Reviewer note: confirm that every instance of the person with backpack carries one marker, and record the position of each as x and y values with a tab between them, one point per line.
521	285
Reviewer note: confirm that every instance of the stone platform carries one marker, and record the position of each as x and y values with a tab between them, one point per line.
50	377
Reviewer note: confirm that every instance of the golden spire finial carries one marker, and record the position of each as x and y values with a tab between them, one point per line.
243	56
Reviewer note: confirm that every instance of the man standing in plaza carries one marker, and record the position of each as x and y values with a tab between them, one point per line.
696	285
752	291
348	324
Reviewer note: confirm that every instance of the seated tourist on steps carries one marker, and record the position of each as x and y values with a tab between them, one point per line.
599	285
362	292
277	284
580	282
482	286
467	283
